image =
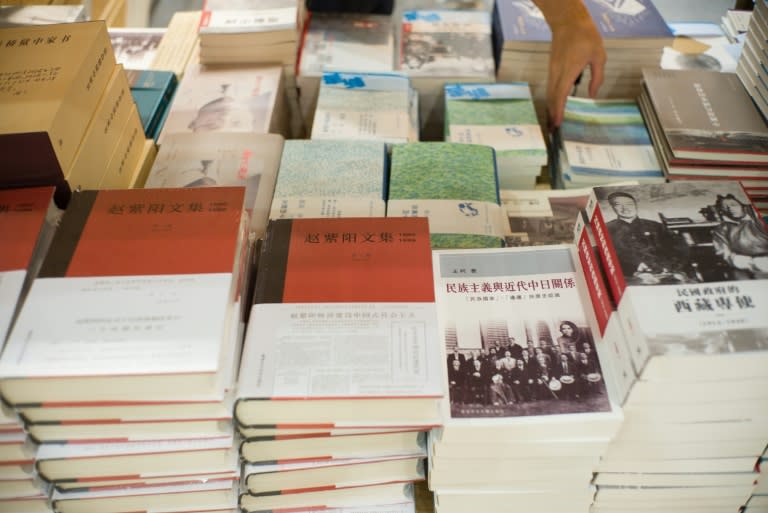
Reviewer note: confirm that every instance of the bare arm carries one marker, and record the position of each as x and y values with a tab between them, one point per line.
576	43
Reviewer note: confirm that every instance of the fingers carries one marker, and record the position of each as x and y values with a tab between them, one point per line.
597	72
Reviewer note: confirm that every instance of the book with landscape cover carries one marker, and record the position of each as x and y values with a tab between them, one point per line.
27	218
135	299
519	350
43	114
706	116
501	116
342	330
455	185
687	262
222	159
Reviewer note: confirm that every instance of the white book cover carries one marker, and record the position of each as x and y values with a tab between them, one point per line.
519	350
242	16
231	98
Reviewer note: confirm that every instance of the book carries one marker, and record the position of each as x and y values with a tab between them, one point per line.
334	42
519	352
89	464
178	43
212	496
153	92
330	179
334	474
310	270
27	223
441	46
699	266
135	48
604	141
384	494
706	117
150	289
43	121
259	21
313	448
455	185
17	15
366	106
542	217
232	98
222	159
501	116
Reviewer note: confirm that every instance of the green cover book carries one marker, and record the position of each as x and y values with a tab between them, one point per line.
454	185
153	91
501	116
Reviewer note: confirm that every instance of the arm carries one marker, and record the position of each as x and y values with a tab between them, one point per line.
576	43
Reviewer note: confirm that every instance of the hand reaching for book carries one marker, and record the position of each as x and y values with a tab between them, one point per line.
576	44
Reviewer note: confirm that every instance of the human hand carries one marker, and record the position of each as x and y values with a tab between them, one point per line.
576	44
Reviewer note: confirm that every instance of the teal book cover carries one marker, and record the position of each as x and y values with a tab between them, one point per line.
153	91
454	185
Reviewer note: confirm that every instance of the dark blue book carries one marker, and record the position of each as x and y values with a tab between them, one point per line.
153	91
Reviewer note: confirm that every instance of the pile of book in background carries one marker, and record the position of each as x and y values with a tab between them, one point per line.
705	127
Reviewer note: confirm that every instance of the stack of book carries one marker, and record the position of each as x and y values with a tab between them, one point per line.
124	355
634	34
752	61
735	23
455	185
250	31
501	116
529	411
602	142
686	263
178	43
366	106
704	127
70	120
222	159
340	381
439	47
228	98
333	42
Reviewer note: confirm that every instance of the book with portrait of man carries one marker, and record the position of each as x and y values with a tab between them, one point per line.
519	349
687	263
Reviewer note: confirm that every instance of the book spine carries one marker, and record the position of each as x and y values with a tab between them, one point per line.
605	247
273	262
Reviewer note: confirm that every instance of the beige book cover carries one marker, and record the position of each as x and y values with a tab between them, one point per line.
51	80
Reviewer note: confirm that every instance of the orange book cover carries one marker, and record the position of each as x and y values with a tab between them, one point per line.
22	216
346	260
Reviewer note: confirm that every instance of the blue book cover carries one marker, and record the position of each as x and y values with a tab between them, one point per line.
152	90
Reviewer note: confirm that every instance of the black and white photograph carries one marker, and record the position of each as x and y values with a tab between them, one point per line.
709	343
536	367
135	48
684	232
557	228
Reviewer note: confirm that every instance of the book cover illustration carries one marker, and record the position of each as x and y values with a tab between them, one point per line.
135	48
516	338
353	42
539	218
628	19
325	178
446	43
224	99
692	258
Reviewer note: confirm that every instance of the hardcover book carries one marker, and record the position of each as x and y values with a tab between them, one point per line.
308	301
519	350
153	93
706	116
43	116
330	179
501	116
174	253
687	264
27	224
455	185
222	159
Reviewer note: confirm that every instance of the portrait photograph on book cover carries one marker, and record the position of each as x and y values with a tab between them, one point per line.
684	233
551	369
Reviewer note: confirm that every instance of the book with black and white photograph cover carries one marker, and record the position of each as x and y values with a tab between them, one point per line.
519	350
136	48
687	262
20	15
